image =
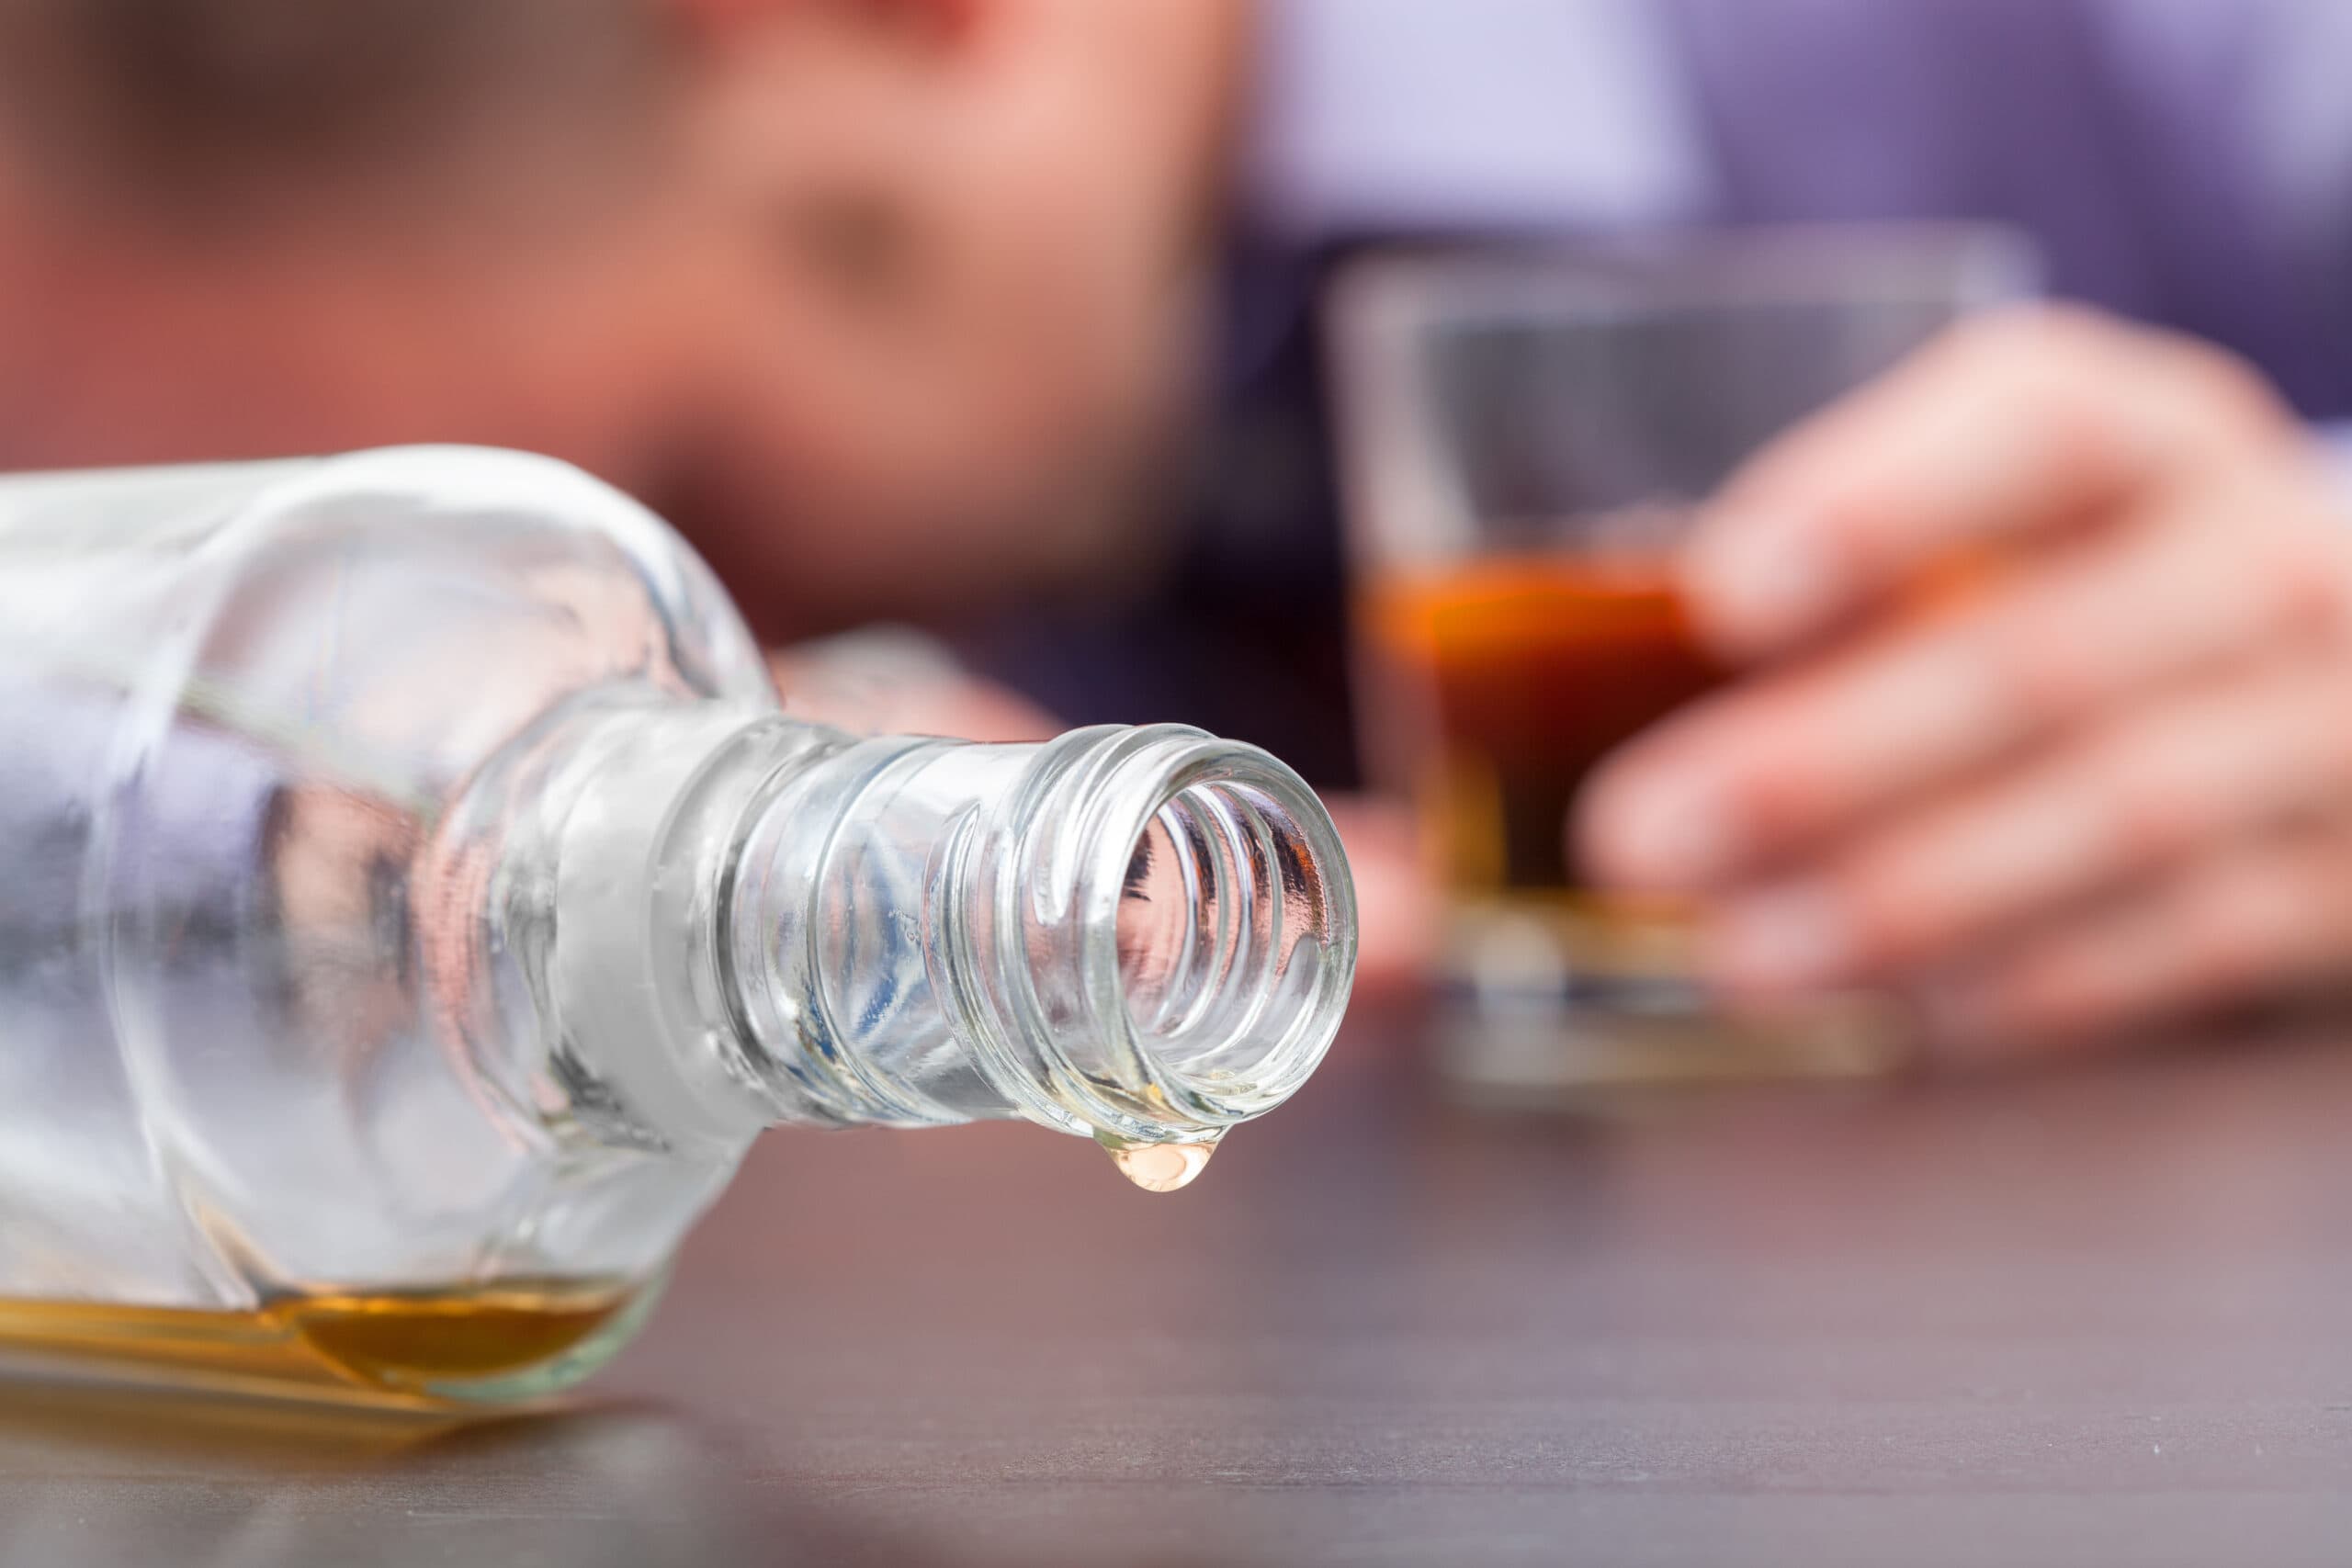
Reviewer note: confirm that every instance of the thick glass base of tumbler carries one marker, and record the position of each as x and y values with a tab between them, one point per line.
1550	1003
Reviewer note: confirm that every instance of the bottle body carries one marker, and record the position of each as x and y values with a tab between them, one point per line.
418	905
236	705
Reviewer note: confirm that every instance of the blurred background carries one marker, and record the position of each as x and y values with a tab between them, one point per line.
1803	538
1079	342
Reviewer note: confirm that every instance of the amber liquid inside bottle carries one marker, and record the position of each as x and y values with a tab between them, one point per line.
421	1351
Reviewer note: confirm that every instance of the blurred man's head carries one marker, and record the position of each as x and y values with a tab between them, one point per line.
882	296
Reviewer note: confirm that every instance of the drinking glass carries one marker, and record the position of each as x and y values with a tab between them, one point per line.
1524	438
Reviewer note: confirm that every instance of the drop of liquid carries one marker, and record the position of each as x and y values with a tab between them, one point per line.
1159	1168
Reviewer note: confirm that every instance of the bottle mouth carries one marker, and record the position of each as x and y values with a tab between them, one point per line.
1228	912
1216	921
1142	935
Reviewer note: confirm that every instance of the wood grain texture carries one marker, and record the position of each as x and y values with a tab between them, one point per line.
2103	1317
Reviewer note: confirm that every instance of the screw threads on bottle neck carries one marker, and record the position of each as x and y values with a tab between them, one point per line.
1143	934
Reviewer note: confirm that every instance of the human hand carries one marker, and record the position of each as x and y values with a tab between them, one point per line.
2107	780
889	680
1396	925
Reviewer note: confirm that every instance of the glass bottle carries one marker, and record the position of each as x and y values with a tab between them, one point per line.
416	903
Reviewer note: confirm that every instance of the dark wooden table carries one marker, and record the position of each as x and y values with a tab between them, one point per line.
2099	1319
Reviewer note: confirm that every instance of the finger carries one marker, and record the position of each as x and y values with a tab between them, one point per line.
886	682
2273	915
1397	940
2012	425
2223	764
1763	771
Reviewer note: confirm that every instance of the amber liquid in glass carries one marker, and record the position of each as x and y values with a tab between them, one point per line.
1520	676
1495	688
422	1350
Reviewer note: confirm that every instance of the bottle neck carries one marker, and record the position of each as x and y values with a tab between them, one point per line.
1144	935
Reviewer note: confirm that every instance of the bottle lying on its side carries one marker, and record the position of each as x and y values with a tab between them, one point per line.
416	902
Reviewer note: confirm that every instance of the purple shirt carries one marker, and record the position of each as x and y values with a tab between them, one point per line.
2188	162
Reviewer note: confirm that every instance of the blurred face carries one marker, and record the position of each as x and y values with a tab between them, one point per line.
889	302
974	356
